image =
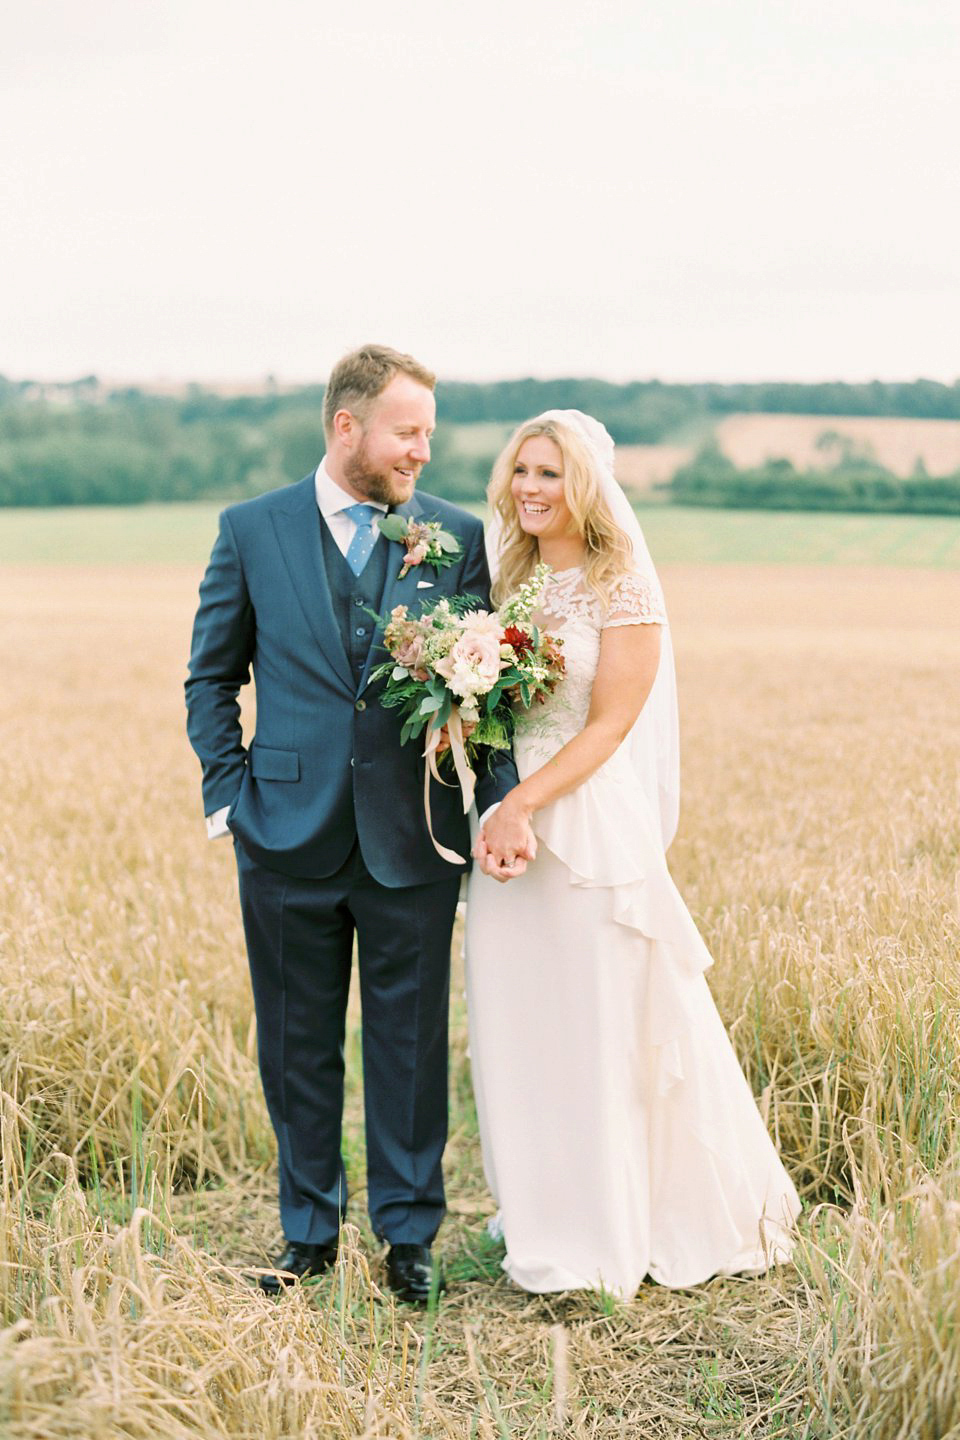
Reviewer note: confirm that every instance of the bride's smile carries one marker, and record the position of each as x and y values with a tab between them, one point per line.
539	495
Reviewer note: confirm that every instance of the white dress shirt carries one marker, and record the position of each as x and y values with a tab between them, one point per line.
333	501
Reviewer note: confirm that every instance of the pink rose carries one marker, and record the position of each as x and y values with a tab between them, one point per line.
473	665
481	650
417	553
410	653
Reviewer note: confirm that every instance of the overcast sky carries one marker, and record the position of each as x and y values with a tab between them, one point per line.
727	189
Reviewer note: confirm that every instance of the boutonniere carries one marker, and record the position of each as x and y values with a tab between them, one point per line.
426	541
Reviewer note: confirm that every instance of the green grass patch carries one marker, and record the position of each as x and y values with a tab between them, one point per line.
109	534
484	439
170	534
687	535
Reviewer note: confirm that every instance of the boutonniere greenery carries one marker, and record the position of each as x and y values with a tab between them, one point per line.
426	542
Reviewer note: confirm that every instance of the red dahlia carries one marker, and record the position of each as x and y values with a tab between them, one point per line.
518	638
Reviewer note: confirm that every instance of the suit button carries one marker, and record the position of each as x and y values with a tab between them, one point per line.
361	630
358	599
360	705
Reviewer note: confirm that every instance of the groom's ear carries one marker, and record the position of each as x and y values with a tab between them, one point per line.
347	428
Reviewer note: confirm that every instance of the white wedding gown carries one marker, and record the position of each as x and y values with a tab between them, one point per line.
620	1137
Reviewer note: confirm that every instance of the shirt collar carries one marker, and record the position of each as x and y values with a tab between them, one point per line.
331	498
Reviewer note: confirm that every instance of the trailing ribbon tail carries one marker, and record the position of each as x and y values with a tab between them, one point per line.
468	780
465	775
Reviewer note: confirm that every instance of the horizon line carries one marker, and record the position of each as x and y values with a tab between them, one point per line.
248	385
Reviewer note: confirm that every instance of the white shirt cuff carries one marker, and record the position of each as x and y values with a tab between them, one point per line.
217	824
488	812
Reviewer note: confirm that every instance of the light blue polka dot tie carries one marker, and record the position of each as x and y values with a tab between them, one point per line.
364	537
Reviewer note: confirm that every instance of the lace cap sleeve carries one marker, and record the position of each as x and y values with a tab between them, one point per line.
635	600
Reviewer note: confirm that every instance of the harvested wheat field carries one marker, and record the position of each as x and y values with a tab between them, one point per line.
818	852
641	468
818	440
809	441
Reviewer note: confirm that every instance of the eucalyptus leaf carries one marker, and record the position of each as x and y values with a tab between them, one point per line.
443	714
393	526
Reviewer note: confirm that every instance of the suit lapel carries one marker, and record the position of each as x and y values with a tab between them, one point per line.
395	590
298	535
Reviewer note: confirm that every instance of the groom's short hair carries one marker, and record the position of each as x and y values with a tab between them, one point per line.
357	380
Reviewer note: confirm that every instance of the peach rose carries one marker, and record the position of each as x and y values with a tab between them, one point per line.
410	653
473	665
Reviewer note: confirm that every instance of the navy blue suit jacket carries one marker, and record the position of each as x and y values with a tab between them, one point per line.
326	765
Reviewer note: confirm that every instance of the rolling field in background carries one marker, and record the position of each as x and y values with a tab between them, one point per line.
819	669
184	534
897	443
748	440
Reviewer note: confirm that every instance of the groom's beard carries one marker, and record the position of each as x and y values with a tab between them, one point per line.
383	486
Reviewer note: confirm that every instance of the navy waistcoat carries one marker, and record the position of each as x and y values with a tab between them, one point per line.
353	596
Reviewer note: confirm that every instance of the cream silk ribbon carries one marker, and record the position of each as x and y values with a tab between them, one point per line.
465	775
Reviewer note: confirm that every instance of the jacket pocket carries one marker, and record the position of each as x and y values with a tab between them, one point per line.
267	764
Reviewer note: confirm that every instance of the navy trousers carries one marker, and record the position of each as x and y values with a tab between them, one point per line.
300	936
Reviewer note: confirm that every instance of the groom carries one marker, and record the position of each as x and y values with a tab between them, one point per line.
327	815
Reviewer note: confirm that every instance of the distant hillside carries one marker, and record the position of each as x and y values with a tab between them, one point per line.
649	411
798	462
813	442
89	442
810	442
639	412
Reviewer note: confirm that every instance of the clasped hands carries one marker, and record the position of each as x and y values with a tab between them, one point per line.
505	843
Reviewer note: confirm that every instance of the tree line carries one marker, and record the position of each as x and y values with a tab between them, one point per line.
854	482
82	444
647	411
129	447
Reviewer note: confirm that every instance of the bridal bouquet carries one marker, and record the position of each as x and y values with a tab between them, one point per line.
458	666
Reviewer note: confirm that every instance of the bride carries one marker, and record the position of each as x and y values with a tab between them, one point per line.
620	1138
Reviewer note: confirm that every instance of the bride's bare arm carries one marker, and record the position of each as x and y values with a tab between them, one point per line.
629	655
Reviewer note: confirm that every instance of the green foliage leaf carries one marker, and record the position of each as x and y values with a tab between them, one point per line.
443	714
393	526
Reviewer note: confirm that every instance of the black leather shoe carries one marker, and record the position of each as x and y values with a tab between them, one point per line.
413	1274
298	1262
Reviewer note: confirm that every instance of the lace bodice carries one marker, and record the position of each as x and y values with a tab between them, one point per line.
571	610
635	600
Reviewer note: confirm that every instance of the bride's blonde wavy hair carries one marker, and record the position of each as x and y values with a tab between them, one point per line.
609	550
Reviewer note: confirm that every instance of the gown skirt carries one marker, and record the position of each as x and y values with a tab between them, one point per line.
620	1137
